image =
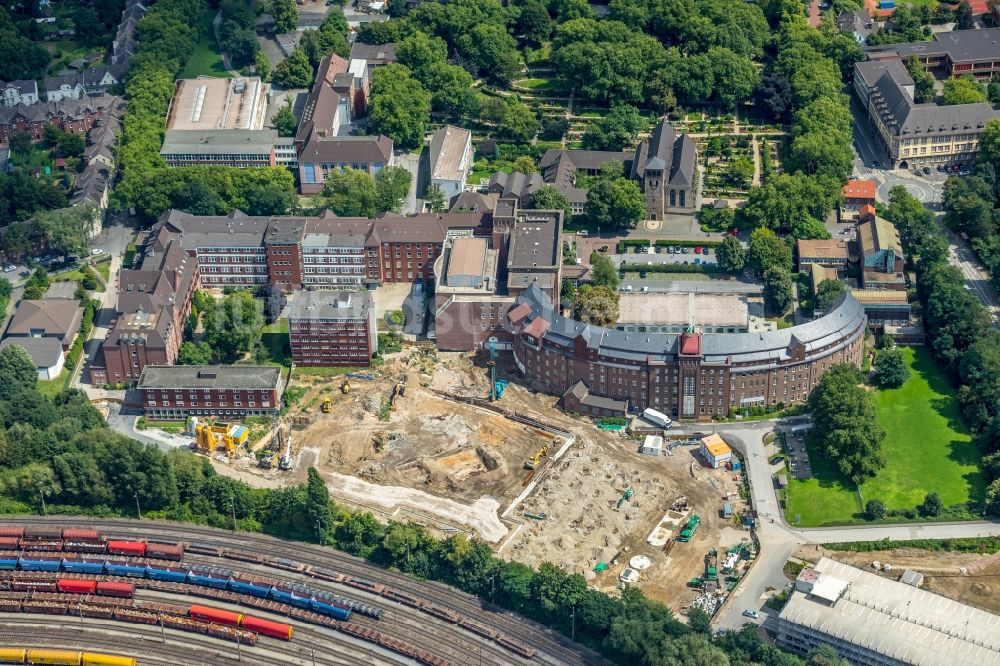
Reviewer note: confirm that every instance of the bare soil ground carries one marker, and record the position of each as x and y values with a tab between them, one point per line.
455	453
979	587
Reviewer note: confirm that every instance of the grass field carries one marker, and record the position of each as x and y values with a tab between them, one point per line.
927	447
51	387
275	338
205	60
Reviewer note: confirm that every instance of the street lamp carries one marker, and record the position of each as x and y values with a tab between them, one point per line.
232	501
138	510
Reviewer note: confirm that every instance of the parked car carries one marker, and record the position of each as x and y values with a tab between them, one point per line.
877	163
708	250
670	250
583	232
685	250
751	613
697	250
697	261
10	269
734	232
96	251
643	275
963	172
657	249
778	460
927	171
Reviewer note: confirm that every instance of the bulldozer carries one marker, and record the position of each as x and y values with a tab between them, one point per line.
327	406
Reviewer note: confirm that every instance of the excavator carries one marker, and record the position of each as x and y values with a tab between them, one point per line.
532	462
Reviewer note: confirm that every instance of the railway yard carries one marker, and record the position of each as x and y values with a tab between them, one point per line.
395	619
537	483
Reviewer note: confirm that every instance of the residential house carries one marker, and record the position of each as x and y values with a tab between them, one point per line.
858	24
19	92
858	193
46	353
515	185
89	81
831	252
450	158
70	115
58	319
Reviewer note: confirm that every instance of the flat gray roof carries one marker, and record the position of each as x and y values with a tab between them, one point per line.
899	621
959	45
218	142
534	242
209	376
328	304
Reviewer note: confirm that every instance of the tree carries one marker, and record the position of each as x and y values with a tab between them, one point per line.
350	193
317	504
525	165
20	142
233	326
548	197
735	76
845	428
534	23
603	272
616	131
932	506
285	15
435	198
993	90
197	197
67	229
767	250
699	621
399	106
891	369
963	16
774	96
192	353
991	503
825	655
923	90
285	121
963	90
596	305
827	292
263	64
519	122
451	89
739	172
36	285
419	52
875	509
274	300
777	289
615	202
295	71
494	52
391	187
17	372
731	255
242	46
273	198
330	37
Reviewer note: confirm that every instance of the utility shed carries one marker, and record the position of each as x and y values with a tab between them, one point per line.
715	451
652	445
911	577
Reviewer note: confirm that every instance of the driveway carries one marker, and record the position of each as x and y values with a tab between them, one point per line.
412	162
777	539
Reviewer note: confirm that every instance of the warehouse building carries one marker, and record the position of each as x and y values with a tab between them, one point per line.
873	620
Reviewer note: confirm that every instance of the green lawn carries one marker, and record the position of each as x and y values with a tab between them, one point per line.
205	60
51	387
927	447
103	269
275	338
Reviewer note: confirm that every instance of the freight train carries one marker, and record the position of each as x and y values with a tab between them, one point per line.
74	540
62	657
293	594
248	622
71	586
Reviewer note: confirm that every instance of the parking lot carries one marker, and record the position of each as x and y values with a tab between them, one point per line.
795	453
666	255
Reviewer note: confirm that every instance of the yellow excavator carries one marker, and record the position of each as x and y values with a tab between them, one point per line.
327	405
532	462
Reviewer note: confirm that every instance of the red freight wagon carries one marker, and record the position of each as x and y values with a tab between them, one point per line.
127	548
77	586
165	551
12	531
216	615
268	628
123	590
9	542
77	534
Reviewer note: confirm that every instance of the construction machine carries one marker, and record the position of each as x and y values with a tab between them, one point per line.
327	406
532	462
210	437
626	496
286	459
345	388
497	386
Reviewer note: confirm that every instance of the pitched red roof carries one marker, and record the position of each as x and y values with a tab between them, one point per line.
859	189
691	344
517	314
866	211
537	328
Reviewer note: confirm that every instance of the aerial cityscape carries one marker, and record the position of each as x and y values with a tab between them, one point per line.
504	332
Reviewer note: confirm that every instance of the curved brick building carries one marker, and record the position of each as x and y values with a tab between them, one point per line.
691	376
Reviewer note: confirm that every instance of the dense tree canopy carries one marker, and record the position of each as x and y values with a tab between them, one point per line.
399	106
963	90
615	202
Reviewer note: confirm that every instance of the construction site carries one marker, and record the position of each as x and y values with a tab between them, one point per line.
971	578
447	441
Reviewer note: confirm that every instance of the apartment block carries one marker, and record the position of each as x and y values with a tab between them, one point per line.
332	328
179	391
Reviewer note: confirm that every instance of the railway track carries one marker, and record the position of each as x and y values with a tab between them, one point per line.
550	647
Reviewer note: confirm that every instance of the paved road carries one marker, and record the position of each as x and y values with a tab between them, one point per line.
778	539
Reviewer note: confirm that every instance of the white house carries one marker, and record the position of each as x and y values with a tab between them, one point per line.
18	92
450	159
